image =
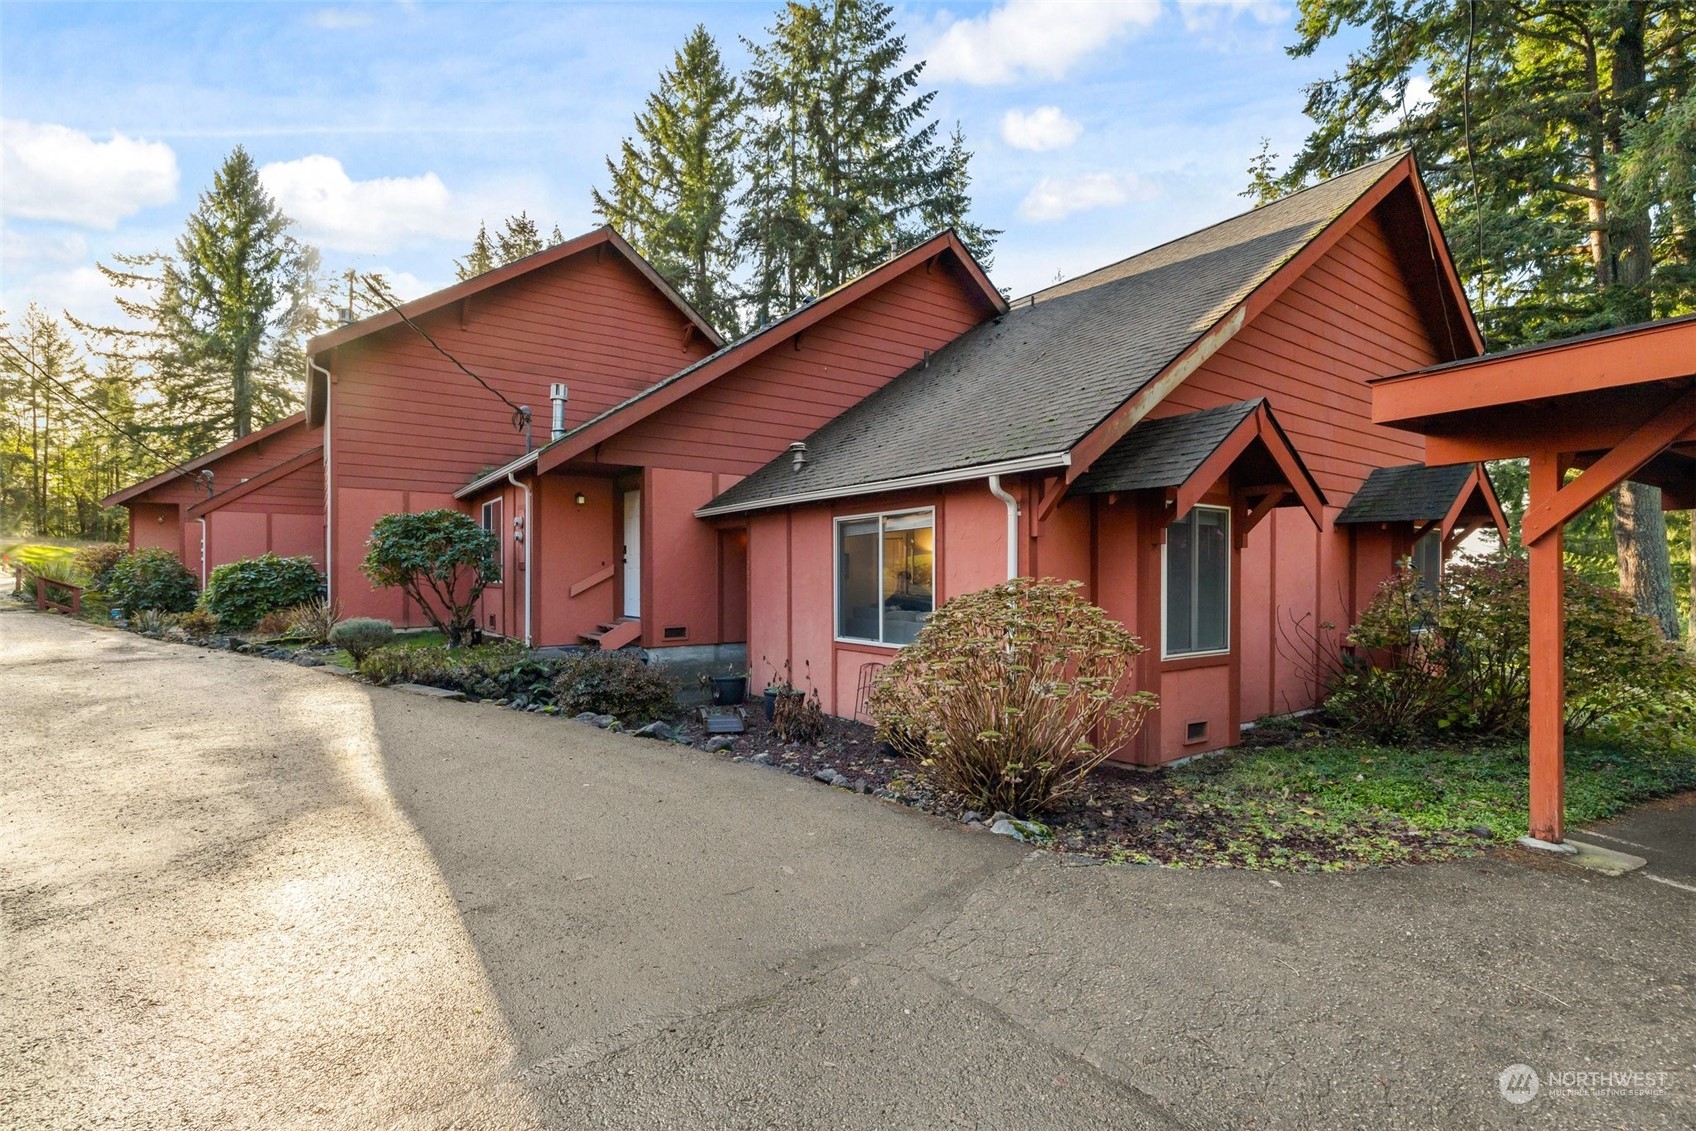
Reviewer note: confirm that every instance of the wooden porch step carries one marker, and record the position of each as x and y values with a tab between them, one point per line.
613	636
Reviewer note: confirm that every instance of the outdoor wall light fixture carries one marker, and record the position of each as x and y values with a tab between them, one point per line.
581	498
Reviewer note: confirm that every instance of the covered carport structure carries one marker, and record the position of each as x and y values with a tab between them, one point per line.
1612	406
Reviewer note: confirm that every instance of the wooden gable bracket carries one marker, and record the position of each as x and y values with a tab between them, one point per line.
1651	438
1427	527
1451	542
1250	516
689	331
464	312
796	340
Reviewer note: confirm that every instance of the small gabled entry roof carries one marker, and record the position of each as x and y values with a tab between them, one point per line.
1451	494
599	429
1066	372
1186	455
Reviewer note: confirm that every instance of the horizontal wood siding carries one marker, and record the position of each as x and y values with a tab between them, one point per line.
1348	318
299	492
744	418
404	417
244	463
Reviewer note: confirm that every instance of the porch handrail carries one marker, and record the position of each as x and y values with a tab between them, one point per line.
588	583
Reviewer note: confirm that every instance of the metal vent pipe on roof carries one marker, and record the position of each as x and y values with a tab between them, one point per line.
798	452
558	393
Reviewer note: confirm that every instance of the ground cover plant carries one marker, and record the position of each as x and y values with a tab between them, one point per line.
616	683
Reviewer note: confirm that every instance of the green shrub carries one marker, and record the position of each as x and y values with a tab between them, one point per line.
491	671
240	593
96	563
441	559
1020	691
153	621
151	579
360	636
1457	661
399	663
614	683
198	623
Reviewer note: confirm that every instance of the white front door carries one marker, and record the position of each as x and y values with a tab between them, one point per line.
633	553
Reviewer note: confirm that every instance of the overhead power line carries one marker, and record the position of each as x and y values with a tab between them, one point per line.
72	395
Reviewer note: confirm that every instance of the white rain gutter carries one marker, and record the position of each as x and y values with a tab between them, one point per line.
329	491
1012	525
932	479
529	536
202	521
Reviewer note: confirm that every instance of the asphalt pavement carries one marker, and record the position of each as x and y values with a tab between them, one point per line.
240	893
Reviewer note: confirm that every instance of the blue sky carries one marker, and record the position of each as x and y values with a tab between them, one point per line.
389	129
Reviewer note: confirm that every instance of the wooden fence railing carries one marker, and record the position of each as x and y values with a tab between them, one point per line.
44	600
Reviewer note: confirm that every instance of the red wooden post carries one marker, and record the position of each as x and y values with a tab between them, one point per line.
40	594
1548	655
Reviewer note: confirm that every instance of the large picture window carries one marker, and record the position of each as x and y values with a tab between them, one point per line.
1198	582
885	576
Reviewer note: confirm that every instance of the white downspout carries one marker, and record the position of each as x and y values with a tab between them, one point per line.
202	521
1012	525
329	491
529	536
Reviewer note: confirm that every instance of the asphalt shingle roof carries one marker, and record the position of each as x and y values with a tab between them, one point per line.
1413	493
1038	379
1164	452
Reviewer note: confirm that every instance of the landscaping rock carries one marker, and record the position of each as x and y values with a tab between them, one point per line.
762	758
972	817
588	717
860	786
1000	815
1482	832
608	722
1029	832
661	731
432	692
722	742
307	660
826	775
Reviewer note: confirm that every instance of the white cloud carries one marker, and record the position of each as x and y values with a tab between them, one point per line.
1209	15
1055	198
339	213
340	19
1032	37
56	173
1041	129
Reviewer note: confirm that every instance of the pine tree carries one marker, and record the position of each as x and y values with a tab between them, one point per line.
1263	184
951	206
517	239
481	258
1559	142
842	165
671	189
223	319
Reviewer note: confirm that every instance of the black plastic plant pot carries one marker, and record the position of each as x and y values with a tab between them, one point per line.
771	704
729	690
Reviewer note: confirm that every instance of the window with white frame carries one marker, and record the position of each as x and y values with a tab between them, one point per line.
1198	583
885	576
490	520
1428	559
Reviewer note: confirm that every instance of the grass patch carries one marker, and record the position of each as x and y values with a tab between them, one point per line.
41	555
1332	804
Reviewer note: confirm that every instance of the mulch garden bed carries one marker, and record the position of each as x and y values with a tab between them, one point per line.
1124	815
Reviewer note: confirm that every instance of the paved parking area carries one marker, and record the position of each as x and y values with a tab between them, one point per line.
238	893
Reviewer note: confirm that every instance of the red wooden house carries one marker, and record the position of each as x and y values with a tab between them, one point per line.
1185	432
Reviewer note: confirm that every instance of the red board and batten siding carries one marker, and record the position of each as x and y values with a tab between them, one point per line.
740	421
407	428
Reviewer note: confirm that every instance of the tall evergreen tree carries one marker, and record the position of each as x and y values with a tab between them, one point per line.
481	257
517	238
842	164
222	320
670	192
1558	140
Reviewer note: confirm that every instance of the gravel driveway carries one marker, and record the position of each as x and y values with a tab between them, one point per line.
239	893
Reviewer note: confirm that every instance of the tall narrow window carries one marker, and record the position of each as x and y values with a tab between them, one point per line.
885	576
490	520
1428	559
1198	582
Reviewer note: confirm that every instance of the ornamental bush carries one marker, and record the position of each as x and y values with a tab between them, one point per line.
441	559
491	671
151	579
614	683
1020	691
1456	660
360	636
96	563
240	593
